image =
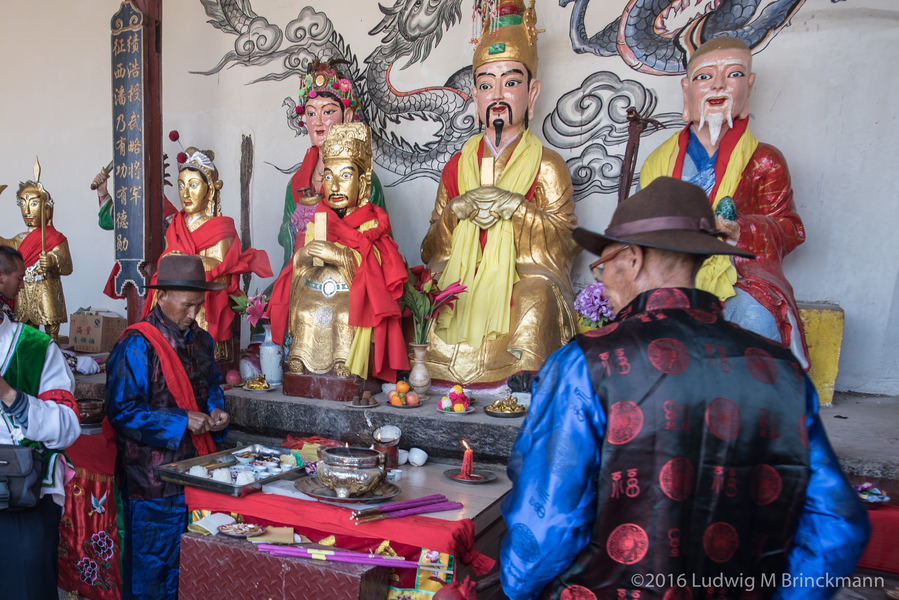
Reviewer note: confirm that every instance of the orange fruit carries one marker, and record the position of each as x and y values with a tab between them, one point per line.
390	395
402	387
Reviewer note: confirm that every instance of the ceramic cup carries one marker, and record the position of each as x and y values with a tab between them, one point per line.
418	457
394	475
402	456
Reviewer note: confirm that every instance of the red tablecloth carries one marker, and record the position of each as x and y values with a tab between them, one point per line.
95	452
452	537
882	553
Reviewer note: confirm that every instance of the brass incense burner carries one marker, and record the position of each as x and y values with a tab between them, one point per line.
351	471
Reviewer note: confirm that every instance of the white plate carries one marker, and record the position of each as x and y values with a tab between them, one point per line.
453	413
270	388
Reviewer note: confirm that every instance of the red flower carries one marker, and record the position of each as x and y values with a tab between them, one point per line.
299	109
181	158
346	102
174	135
300	123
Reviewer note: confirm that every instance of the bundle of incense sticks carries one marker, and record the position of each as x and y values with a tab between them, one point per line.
416	510
351	557
401	505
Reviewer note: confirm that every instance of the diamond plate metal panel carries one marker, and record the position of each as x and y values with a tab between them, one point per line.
217	567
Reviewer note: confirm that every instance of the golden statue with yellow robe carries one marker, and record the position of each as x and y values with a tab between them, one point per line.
502	224
45	252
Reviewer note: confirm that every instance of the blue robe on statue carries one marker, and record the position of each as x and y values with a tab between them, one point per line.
151	431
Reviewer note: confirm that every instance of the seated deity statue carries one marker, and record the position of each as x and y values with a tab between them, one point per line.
326	97
502	223
200	229
748	184
340	300
45	252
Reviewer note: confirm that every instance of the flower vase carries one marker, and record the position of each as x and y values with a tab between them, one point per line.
271	356
419	376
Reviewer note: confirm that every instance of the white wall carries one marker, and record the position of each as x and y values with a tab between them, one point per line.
824	95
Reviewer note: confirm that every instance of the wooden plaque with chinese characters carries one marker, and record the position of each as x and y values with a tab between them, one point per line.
128	143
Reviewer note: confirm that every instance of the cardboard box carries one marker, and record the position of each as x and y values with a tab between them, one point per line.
95	331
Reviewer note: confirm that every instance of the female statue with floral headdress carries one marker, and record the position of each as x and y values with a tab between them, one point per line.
326	97
200	229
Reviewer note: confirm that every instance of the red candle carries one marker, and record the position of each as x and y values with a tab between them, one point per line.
466	462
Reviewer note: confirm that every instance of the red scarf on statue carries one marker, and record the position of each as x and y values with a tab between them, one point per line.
176	379
375	289
179	238
32	245
303	177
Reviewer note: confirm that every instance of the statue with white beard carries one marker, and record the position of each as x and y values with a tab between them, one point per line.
749	187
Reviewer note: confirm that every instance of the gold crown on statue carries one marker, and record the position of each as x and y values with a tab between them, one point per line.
351	141
508	33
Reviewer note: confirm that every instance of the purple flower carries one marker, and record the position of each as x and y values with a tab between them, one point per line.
87	568
103	545
593	305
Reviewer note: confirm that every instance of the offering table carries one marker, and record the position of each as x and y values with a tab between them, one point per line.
463	534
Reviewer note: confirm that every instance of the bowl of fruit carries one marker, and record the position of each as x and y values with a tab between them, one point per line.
455	402
403	396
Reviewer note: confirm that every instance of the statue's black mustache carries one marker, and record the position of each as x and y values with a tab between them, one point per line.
487	118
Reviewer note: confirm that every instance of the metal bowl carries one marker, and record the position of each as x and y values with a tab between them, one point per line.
351	471
91	411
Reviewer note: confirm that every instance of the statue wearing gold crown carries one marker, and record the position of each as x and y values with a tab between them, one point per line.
342	294
200	229
502	222
326	97
47	258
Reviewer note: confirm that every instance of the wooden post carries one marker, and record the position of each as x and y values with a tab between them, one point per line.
321	234
139	170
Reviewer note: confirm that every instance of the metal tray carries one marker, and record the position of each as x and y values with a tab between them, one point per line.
176	472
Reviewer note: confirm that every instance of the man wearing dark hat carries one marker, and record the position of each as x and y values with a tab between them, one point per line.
164	401
672	454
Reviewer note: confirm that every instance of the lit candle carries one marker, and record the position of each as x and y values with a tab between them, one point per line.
466	461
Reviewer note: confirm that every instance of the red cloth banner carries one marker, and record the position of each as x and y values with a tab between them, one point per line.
88	539
882	553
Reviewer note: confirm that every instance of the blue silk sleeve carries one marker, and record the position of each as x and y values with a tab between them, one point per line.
552	505
215	397
127	399
833	527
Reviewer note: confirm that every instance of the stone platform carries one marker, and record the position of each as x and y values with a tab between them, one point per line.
866	441
270	416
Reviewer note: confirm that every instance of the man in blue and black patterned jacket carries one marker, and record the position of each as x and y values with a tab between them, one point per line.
670	454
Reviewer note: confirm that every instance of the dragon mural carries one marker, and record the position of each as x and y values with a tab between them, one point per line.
657	36
594	115
409	29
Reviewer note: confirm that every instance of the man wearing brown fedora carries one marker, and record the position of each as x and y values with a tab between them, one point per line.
672	454
164	401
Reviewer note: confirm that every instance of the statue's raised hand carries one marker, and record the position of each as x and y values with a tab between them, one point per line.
730	228
326	251
100	184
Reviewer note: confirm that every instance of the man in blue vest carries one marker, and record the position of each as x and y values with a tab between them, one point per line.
671	454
